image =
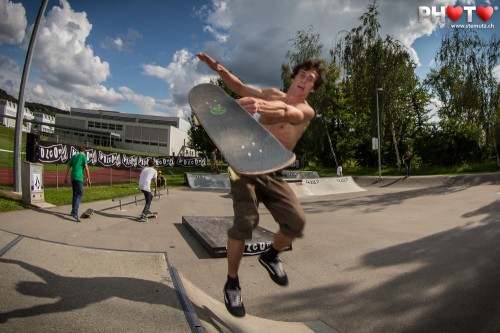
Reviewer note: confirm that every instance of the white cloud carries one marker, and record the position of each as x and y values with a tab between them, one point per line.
147	103
180	75
496	73
217	17
112	43
63	57
38	90
220	37
123	42
12	22
251	38
403	23
257	33
71	73
8	64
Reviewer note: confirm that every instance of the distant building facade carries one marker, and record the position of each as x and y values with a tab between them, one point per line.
8	108
43	123
142	133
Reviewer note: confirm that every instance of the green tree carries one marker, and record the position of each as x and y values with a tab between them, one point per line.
321	141
495	122
198	137
463	82
370	62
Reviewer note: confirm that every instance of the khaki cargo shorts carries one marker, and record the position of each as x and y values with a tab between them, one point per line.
275	194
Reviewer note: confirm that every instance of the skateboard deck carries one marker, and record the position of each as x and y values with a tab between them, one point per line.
88	213
246	145
151	215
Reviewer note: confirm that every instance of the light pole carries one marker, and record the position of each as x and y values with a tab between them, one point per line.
20	103
378	137
329	139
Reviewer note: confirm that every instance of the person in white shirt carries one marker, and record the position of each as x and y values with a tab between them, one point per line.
148	174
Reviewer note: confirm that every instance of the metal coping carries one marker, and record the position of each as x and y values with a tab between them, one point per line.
192	318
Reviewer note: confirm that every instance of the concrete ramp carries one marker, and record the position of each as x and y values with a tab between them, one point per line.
430	181
325	186
214	317
208	181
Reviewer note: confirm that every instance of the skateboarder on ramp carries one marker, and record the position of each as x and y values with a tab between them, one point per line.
286	116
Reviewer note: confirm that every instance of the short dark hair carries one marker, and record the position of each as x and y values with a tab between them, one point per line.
151	163
316	65
81	149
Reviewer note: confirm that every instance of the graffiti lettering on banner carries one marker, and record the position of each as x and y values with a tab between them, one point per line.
57	153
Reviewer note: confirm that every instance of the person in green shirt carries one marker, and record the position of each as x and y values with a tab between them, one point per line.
78	164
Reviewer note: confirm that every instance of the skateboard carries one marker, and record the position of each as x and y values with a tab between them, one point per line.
157	193
87	214
150	215
246	145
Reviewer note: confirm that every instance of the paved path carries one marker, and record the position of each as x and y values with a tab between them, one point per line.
407	255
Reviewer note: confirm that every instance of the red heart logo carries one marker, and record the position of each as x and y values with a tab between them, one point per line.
454	13
484	12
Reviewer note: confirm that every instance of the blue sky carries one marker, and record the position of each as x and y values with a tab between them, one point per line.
137	56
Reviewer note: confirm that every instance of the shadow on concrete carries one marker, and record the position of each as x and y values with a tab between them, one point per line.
426	181
62	216
193	243
132	218
377	202
446	282
73	293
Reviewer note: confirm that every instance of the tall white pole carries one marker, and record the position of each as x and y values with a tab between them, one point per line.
378	138
20	102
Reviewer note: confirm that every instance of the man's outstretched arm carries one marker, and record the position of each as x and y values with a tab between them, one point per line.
231	81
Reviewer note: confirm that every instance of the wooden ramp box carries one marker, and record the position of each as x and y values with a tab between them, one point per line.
211	232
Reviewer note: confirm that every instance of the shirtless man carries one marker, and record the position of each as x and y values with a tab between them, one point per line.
286	116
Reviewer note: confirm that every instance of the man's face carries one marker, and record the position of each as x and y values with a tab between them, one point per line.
304	80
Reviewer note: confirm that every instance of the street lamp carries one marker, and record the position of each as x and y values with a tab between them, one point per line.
378	137
319	116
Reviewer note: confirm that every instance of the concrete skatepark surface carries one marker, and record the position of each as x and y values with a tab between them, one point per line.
406	255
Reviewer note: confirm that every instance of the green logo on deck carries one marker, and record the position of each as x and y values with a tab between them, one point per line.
218	110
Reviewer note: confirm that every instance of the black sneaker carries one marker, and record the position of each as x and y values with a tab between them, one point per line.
234	301
275	270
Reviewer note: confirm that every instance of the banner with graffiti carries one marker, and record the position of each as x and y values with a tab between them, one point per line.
60	153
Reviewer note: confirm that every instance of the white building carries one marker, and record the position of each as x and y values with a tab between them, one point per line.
44	122
142	133
9	109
